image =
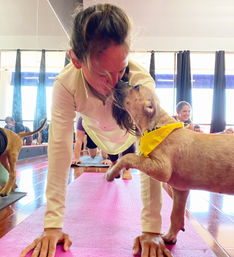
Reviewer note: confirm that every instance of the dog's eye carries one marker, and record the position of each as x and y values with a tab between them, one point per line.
137	87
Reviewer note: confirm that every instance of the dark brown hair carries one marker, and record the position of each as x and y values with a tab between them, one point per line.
96	28
119	113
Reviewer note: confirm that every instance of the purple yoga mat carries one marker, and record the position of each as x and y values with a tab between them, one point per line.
102	219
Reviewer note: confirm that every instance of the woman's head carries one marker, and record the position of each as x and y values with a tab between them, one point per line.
100	45
96	28
183	110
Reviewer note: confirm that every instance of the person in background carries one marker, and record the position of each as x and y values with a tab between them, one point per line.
91	146
229	131
43	135
108	159
18	128
197	128
100	45
183	110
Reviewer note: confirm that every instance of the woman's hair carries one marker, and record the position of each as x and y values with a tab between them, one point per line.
181	104
96	28
119	113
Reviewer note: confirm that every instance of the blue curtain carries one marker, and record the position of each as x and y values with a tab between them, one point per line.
67	59
183	78
17	100
218	121
152	65
40	112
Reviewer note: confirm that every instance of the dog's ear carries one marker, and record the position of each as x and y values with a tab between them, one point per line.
149	108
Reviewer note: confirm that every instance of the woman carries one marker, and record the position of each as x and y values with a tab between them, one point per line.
100	46
183	110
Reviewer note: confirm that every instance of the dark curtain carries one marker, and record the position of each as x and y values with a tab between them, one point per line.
183	78
218	121
67	59
40	112
17	100
152	65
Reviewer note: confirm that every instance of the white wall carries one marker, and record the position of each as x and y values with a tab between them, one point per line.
180	24
158	24
30	24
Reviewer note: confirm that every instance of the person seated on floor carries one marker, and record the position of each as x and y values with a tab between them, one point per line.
18	128
197	128
108	159
43	135
229	130
183	110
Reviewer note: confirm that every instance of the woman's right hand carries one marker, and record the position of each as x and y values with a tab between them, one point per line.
76	161
45	245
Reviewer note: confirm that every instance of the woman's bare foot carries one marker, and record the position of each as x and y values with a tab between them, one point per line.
126	174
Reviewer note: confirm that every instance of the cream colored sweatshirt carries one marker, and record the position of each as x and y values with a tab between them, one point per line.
72	94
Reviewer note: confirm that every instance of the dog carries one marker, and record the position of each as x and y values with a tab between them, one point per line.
184	159
11	144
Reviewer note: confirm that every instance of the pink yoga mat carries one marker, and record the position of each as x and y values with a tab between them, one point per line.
102	219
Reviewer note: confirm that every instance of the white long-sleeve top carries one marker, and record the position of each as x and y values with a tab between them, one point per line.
72	94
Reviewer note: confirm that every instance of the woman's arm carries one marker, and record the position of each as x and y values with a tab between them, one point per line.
80	135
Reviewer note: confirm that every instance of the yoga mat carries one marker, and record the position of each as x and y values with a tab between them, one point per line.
103	218
11	198
87	161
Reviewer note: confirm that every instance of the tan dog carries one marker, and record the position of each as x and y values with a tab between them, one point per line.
10	155
184	159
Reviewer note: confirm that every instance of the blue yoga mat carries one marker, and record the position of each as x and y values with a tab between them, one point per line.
87	161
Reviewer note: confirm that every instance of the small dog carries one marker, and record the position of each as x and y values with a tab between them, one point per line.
184	158
12	144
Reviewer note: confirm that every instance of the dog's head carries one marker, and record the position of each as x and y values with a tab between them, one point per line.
135	108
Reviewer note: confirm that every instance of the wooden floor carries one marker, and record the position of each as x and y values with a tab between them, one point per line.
211	214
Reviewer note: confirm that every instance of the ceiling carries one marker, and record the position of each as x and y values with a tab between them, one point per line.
158	24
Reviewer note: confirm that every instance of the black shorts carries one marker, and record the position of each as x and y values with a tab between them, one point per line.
90	144
3	141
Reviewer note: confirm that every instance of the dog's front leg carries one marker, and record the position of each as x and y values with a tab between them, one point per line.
127	161
177	216
157	169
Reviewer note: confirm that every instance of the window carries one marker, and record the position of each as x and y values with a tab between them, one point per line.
202	70
30	67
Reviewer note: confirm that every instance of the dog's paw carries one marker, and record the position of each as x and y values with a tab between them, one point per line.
5	191
109	176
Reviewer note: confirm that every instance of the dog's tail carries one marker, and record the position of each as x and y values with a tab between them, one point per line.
26	134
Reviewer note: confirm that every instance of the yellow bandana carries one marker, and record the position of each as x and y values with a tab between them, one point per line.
151	139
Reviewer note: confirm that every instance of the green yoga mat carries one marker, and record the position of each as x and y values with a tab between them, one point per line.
3	175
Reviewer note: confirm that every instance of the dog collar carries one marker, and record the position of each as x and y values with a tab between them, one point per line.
151	139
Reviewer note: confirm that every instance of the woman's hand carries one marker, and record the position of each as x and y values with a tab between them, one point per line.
151	245
45	245
76	161
106	162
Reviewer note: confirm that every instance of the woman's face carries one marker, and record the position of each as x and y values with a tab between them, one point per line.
106	69
184	113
